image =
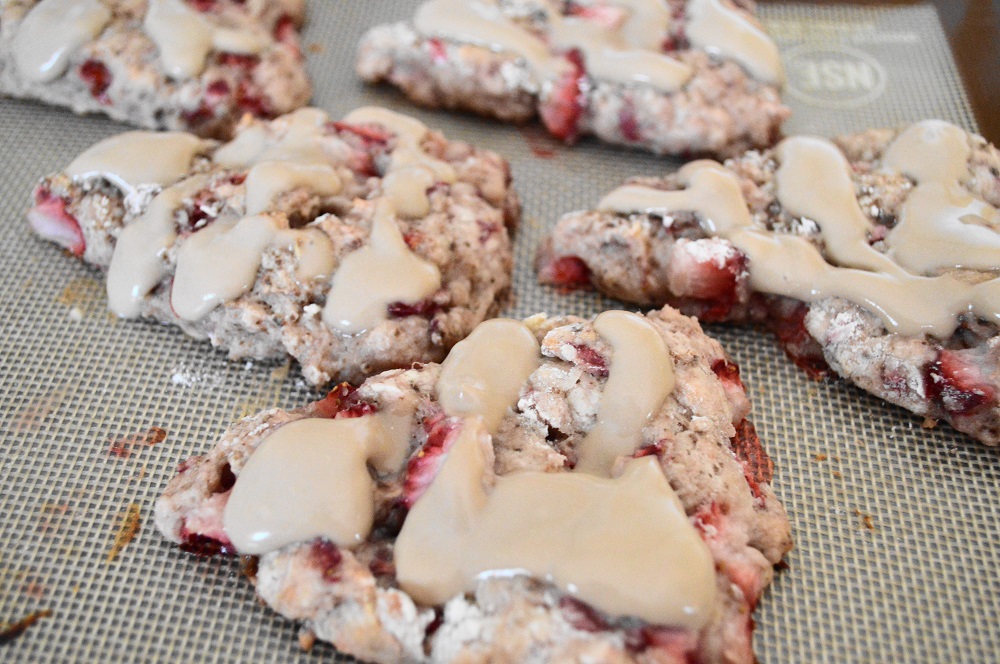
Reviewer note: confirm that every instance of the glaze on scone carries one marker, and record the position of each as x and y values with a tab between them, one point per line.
192	65
681	77
353	246
355	595
876	257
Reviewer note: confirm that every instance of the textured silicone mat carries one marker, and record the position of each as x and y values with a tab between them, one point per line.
895	526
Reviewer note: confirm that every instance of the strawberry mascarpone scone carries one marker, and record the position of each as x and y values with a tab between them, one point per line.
353	246
668	76
874	255
556	490
195	65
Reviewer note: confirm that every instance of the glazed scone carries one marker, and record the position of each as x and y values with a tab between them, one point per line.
612	457
875	255
191	65
353	246
678	77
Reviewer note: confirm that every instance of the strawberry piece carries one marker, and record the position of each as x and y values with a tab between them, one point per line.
728	373
786	320
425	308
98	78
423	466
52	222
342	402
582	616
202	5
628	124
608	16
327	557
591	361
758	468
653	449
439	55
370	133
218	89
249	99
562	109
284	31
957	383
198	116
238	60
568	272
200	545
709	273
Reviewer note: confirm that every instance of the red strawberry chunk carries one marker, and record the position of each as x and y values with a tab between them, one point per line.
50	220
97	76
710	271
758	468
562	109
582	616
201	545
327	557
423	466
608	16
439	55
567	272
590	360
786	320
342	402
956	382
370	133
425	308
628	124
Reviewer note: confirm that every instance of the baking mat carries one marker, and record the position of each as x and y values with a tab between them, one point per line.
895	526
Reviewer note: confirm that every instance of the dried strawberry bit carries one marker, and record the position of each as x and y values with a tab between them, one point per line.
728	372
435	624
591	361
423	466
327	557
628	124
284	31
343	402
238	178
218	89
957	383
487	230
582	616
653	449
51	220
202	545
198	117
238	60
758	468
249	99
567	272
562	109
226	480
370	133
711	274
439	55
787	321
425	308
98	78
382	563
677	644
606	15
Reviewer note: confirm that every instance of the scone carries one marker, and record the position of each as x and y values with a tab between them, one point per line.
875	255
676	77
353	246
556	490
192	65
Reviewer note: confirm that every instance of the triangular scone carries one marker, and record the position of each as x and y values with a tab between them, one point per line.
875	255
353	246
559	490
678	77
192	65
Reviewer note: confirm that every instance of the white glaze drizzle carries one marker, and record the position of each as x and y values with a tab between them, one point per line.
788	265
376	275
220	262
608	52
294	137
640	378
139	262
52	31
136	158
623	545
267	180
185	37
310	478
484	373
722	31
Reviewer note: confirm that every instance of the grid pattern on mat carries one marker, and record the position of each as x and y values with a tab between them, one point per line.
920	585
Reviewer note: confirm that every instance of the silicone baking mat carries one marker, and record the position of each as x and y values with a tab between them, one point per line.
895	525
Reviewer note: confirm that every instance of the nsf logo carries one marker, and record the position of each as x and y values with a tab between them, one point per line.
833	76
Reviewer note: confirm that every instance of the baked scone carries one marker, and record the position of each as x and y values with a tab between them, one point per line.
875	255
192	65
353	246
557	490
675	77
